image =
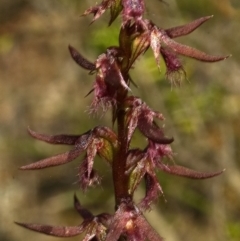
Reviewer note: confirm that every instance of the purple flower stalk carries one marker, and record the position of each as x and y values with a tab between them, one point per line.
112	90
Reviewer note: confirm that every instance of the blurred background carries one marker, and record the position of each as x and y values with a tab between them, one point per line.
41	87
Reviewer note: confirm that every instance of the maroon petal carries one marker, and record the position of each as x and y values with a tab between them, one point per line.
53	161
153	190
85	214
186	172
87	179
58	231
175	72
153	132
80	60
58	139
192	52
187	28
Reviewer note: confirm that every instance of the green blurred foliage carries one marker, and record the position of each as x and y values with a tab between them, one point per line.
42	87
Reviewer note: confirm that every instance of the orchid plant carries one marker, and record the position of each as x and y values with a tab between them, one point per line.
112	90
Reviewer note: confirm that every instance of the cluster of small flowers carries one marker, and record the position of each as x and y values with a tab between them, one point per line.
111	89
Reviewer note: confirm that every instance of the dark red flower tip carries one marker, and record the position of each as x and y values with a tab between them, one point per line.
80	60
84	213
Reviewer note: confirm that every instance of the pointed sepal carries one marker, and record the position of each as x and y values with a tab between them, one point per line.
152	131
187	28
53	161
186	172
57	139
84	213
175	72
57	231
192	52
80	60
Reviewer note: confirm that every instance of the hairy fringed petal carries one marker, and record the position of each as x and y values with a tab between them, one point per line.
175	72
153	190
157	151
102	95
99	9
132	122
131	10
109	79
111	70
87	176
141	116
91	153
58	231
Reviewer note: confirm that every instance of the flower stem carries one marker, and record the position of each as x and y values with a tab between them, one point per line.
120	179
